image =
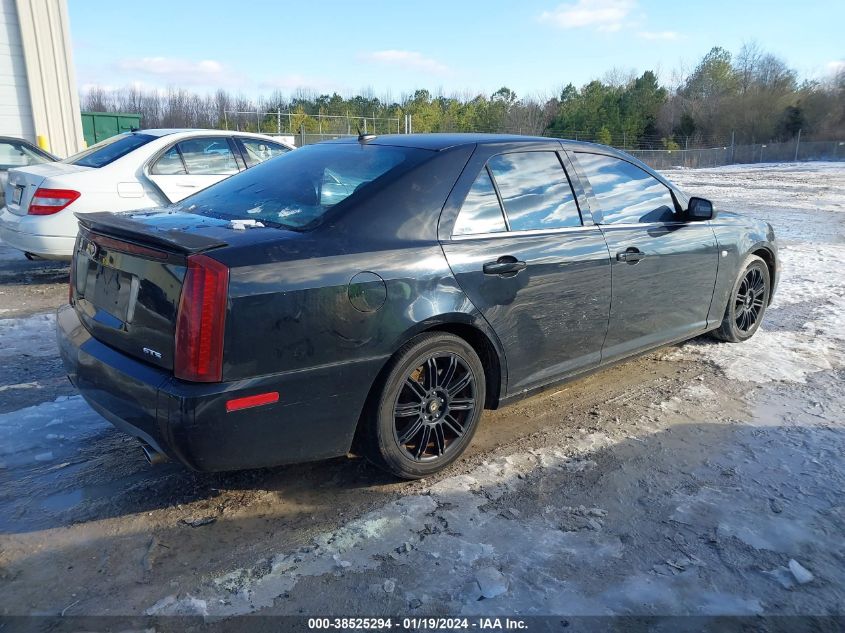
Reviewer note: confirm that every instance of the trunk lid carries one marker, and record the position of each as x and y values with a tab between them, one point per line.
127	274
25	181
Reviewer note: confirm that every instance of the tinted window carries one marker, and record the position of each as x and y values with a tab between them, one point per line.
208	157
257	151
535	191
110	150
169	164
481	212
297	188
625	192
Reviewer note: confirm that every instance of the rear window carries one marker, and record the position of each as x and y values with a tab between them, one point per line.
296	189
109	150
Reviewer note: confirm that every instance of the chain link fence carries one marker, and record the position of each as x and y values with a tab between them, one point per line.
790	151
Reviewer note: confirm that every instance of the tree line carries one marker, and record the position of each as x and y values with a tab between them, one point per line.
750	97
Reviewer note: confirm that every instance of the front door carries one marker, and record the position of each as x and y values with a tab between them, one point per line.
663	268
539	276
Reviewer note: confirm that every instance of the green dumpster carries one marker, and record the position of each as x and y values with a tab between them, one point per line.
97	126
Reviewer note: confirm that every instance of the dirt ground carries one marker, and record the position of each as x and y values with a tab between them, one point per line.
702	479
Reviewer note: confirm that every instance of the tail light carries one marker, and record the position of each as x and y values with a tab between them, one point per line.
50	201
201	321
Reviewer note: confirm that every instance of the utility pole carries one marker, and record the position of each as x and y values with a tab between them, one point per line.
278	121
733	147
797	143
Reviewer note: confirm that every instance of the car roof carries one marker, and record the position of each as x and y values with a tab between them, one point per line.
200	132
440	141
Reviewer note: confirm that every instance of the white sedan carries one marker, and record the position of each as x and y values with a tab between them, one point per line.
136	170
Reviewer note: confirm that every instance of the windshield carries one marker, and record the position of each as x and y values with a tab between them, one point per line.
296	189
109	150
17	154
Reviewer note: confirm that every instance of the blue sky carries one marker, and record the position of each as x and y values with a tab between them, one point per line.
532	46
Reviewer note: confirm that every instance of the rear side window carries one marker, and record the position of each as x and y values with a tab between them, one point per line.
481	212
626	193
535	191
208	157
170	164
257	150
109	150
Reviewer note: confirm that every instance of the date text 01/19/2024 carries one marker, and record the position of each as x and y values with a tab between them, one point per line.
420	623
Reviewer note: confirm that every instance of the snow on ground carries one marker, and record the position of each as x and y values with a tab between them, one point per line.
804	186
785	348
48	432
804	329
33	336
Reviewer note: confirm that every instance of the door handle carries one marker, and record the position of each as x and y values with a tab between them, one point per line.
630	255
506	265
188	185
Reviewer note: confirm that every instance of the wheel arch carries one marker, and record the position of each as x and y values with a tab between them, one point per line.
768	256
485	343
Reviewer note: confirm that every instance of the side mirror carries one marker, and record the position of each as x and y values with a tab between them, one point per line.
700	209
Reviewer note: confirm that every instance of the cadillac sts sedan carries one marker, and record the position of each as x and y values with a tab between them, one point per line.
375	295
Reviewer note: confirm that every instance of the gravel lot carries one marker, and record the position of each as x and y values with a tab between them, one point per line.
703	479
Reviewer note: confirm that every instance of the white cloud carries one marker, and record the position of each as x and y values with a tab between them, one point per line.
603	15
409	60
836	66
659	35
179	71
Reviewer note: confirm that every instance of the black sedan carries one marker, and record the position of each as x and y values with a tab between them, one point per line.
376	294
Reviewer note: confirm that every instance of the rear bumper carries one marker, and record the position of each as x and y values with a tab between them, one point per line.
315	417
23	232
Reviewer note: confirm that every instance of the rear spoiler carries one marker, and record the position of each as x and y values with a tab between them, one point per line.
115	225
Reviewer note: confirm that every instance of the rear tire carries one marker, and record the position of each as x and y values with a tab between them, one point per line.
428	407
747	302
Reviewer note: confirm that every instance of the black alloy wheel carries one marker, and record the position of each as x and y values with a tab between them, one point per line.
747	303
433	407
428	407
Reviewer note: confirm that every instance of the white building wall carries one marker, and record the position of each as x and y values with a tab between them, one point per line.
38	94
15	106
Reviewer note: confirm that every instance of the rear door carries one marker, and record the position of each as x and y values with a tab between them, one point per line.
192	165
538	274
663	267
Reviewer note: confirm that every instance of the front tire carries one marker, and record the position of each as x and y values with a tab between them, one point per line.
428	408
747	303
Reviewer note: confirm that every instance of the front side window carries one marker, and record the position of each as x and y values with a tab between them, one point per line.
257	151
109	150
481	212
208	157
535	191
626	193
296	189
